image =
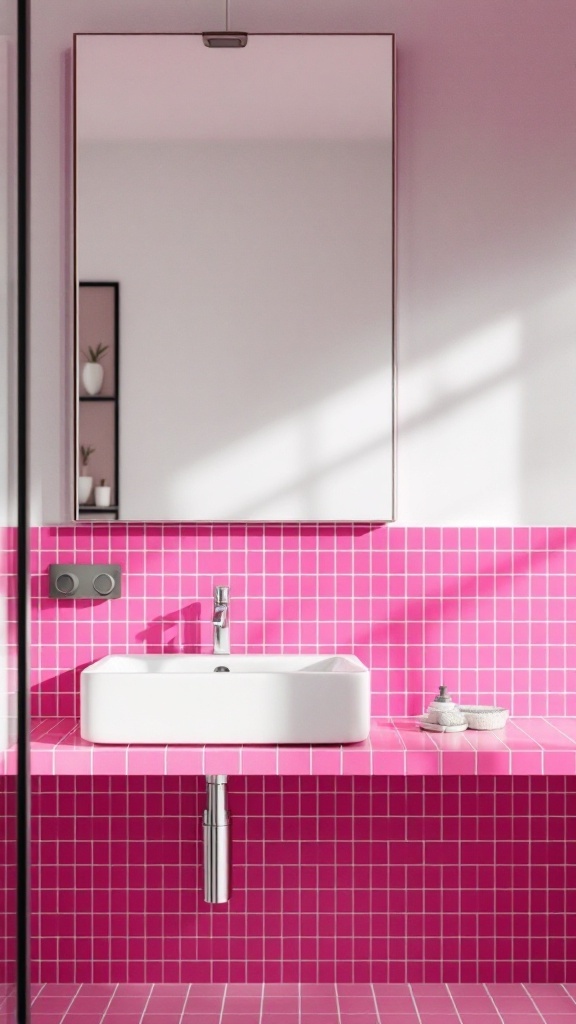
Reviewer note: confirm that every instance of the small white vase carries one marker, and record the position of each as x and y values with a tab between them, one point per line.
84	489
93	378
102	496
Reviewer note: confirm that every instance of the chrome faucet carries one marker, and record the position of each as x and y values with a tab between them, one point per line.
221	620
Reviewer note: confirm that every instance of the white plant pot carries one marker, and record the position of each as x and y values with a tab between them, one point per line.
84	489
102	496
93	378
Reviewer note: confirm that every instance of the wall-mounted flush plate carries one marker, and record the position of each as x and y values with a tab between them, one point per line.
99	582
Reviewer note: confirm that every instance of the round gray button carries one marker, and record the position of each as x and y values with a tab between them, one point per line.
104	584
66	583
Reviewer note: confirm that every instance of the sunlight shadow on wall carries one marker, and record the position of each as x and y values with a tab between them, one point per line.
324	456
465	399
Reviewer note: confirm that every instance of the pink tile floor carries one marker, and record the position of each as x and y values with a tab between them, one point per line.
304	1004
7	1001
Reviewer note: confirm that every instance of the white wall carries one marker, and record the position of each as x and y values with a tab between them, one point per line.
486	213
5	339
253	374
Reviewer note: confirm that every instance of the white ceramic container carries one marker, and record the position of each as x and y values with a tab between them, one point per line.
92	378
84	489
481	716
181	698
102	496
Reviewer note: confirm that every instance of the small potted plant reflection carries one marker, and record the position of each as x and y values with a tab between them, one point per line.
102	495
93	371
84	480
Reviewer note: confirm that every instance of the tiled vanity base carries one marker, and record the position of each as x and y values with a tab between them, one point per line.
304	1004
526	746
334	879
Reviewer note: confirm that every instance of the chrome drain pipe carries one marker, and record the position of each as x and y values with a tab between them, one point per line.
216	824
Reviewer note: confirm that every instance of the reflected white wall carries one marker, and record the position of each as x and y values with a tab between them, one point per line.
7	378
255	324
4	335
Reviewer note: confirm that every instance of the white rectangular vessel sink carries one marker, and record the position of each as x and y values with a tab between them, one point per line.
183	698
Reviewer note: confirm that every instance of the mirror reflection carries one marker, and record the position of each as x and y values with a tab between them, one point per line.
241	203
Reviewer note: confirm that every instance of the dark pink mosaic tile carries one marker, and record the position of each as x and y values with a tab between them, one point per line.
7	894
353	880
8	685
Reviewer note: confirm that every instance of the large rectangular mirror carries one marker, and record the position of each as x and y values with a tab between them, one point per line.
239	205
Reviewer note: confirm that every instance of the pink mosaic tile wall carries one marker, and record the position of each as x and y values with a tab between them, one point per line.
334	879
347	879
490	611
7	893
8	634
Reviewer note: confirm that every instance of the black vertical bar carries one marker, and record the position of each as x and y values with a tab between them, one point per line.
23	723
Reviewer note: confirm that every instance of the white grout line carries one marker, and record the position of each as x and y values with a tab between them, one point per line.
186	998
378	1018
299	1002
71	731
493	1001
338	1004
413	997
223	1001
41	989
540	1014
531	738
568	993
108	1004
454	1003
261	1004
566	735
69	1007
146	1004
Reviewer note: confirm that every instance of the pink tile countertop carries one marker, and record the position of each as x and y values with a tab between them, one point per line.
526	746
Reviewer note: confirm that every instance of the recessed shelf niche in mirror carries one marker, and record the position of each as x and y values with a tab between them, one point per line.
244	201
98	400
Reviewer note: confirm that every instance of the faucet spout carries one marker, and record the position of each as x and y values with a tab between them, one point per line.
221	620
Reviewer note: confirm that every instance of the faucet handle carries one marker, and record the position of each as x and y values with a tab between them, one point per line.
221	595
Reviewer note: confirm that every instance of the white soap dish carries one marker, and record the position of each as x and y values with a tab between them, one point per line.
443	714
484	716
424	723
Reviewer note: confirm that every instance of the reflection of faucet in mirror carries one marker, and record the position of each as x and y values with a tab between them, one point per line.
221	620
